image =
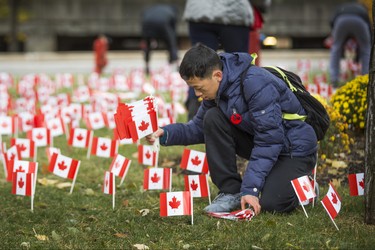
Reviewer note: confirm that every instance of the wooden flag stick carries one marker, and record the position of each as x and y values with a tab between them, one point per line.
192	210
75	177
114	191
33	189
303	207
208	189
90	144
157	149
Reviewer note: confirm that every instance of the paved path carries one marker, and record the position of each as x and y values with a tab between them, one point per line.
82	62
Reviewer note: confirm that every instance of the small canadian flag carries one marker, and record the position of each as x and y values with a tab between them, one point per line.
303	188
332	203
176	203
41	136
8	158
109	183
8	125
22	166
157	178
357	184
197	185
146	155
104	147
95	120
50	151
12	153
23	184
26	146
63	166
143	125
195	161
120	166
55	126
80	137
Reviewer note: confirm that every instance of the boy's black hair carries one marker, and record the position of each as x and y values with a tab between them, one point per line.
199	61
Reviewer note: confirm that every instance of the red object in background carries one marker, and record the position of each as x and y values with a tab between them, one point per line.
254	35
100	49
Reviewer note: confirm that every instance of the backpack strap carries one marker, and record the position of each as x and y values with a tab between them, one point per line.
285	78
288	116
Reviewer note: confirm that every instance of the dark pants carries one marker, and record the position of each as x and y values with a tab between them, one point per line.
224	141
161	32
347	26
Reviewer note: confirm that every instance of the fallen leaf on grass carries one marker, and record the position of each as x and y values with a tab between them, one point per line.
125	203
167	163
186	246
256	247
47	182
144	211
336	182
121	235
266	237
73	230
135	155
339	164
40	237
25	245
56	236
290	224
141	246
64	185
89	192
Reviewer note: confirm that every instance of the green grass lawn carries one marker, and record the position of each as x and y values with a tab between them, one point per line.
85	219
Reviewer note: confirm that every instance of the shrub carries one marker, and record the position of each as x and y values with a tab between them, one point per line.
336	140
351	101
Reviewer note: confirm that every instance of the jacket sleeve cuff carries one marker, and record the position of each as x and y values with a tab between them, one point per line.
250	191
163	140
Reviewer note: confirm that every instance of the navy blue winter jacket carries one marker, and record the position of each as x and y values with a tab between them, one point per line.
266	98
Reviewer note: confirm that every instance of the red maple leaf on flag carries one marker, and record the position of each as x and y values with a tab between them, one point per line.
29	122
148	155
196	161
62	166
79	137
21	147
362	183
12	156
96	120
306	187
75	110
155	178
194	185
21	183
106	182
54	126
117	164
144	125
103	147
174	203
4	125
334	198
20	169
39	136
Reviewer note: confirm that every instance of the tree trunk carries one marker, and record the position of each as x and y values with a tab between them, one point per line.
370	137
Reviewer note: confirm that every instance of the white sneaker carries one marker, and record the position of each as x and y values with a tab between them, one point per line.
224	203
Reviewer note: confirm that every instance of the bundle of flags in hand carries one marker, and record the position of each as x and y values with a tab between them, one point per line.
136	120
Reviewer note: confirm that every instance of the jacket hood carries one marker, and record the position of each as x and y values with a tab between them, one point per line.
233	66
